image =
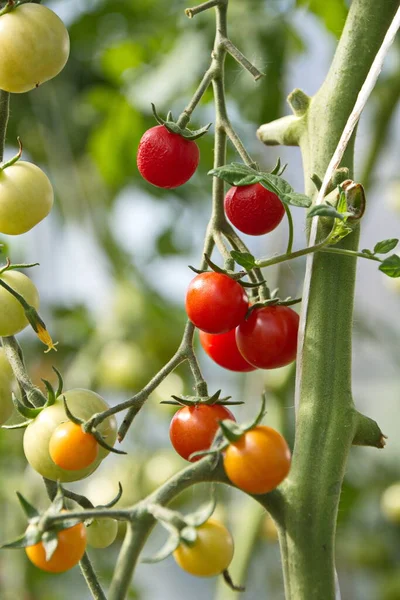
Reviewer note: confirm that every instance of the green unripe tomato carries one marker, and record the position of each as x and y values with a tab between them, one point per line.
390	503
6	379
12	316
34	47
26	197
83	404
102	533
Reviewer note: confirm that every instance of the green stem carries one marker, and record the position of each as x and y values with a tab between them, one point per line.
241	59
4	115
350	253
291	233
204	84
91	579
192	12
15	358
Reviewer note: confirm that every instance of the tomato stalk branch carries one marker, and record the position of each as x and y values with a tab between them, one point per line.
14	356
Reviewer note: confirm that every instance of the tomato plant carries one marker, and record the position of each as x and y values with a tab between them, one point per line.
26	197
101	533
210	554
193	428
70	549
35	47
215	302
6	379
222	349
166	159
267	339
71	448
253	209
259	461
83	404
12	315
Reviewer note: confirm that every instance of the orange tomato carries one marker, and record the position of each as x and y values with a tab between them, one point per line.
71	547
259	461
71	448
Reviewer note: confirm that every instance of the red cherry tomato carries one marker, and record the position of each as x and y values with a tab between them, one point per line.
268	338
193	428
215	303
223	350
166	159
253	209
259	461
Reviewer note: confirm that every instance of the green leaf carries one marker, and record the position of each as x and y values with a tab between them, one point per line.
324	210
385	246
276	184
237	174
295	199
391	266
244	259
332	13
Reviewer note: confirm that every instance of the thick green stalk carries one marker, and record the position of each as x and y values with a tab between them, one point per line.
326	419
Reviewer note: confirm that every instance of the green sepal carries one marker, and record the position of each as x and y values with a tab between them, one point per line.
31	537
18	425
261	414
203	513
50	543
175	128
391	266
249	284
198	400
25	411
169	547
60	382
30	511
231	431
385	246
59	500
69	414
114	501
101	441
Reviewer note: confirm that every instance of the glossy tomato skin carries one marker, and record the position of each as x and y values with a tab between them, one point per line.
26	197
223	350
165	159
12	316
71	547
193	428
35	47
102	533
83	404
253	209
211	553
6	380
268	338
215	303
71	448
259	461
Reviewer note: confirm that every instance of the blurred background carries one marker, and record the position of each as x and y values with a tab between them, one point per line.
113	272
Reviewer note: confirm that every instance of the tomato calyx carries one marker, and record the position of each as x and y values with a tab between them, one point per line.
236	276
27	410
182	528
199	400
173	126
274	300
40	527
87	427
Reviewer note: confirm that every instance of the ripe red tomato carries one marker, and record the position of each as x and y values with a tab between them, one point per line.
193	428
259	461
222	348
253	209
215	303
166	159
70	549
268	338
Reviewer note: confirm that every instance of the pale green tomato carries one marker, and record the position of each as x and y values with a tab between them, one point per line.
26	197
34	47
6	379
12	315
82	404
390	503
120	365
210	554
102	533
159	467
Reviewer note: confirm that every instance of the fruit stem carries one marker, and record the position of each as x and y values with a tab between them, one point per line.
4	115
14	159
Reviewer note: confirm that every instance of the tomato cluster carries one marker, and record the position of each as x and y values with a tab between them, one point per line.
265	339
